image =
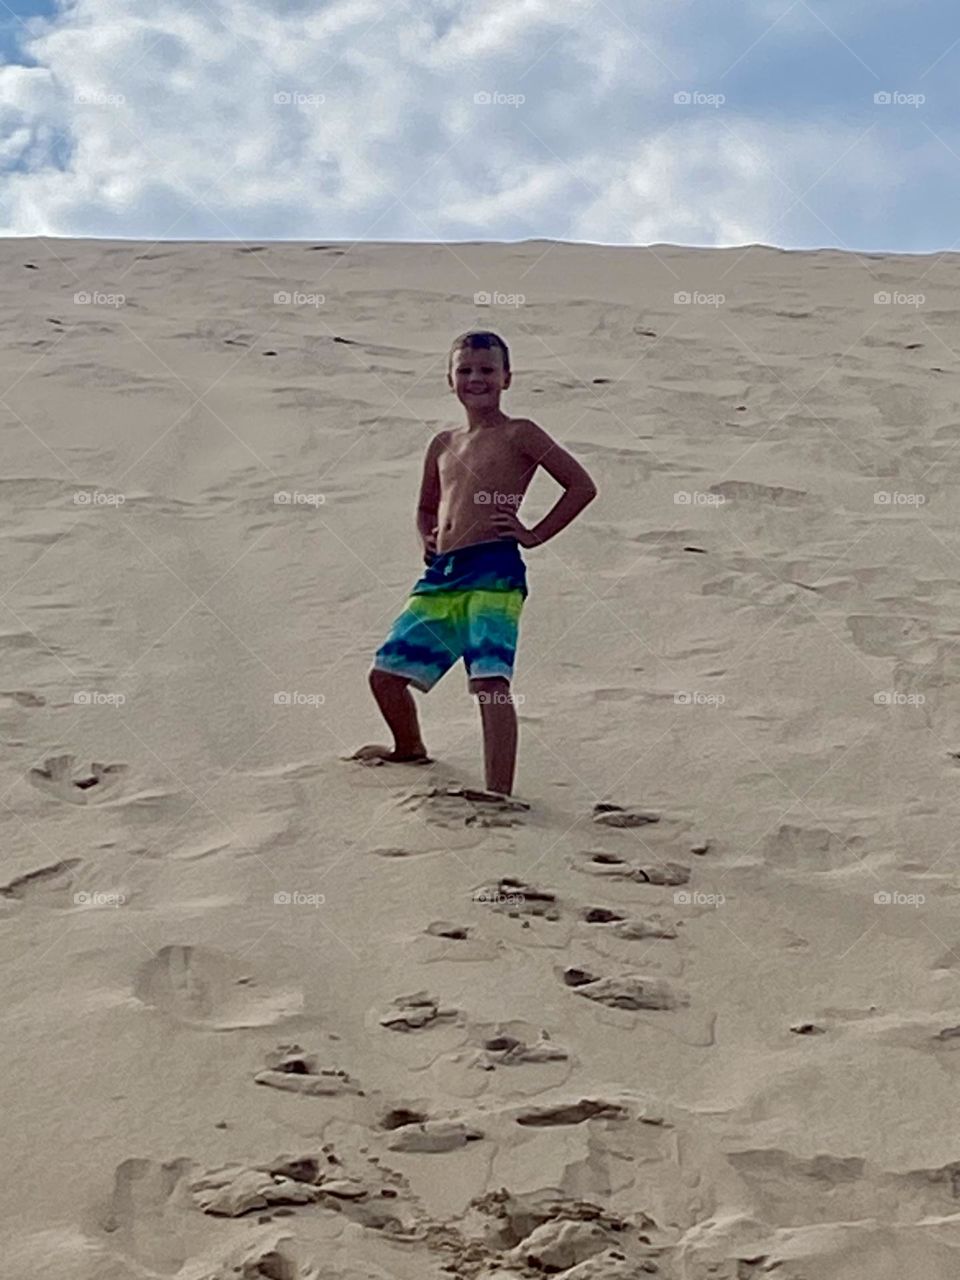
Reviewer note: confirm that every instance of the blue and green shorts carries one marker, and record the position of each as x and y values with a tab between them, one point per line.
467	605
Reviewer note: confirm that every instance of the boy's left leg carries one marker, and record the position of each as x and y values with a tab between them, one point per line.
498	717
493	619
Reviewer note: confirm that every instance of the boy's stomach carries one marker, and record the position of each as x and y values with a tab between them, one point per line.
464	528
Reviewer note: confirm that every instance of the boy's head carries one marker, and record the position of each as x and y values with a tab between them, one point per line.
478	369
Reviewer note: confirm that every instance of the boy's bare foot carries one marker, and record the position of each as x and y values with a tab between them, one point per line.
374	751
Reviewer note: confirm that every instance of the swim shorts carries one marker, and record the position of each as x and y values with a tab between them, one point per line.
467	605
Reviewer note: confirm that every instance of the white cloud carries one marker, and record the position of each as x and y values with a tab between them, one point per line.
723	183
180	134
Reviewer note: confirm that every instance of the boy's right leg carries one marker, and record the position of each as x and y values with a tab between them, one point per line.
400	712
421	647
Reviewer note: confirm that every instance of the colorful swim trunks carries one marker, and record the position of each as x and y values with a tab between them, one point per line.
467	605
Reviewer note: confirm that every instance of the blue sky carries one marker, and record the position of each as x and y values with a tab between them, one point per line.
697	122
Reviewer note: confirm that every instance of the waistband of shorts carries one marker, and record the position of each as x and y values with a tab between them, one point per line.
491	566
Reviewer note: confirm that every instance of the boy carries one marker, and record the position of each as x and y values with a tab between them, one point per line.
467	604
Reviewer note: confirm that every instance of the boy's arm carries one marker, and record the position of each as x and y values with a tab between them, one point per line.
579	489
429	501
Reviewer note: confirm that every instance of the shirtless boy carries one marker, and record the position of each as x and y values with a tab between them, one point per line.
467	604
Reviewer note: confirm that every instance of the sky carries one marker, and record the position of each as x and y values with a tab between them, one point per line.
799	123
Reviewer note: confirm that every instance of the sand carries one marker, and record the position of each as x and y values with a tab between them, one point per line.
270	1013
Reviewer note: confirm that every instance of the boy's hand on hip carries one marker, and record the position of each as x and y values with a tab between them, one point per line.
507	525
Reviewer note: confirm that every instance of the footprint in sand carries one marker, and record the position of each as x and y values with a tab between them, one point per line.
433	1137
140	1217
564	1113
532	1061
812	849
63	779
443	941
66	1253
50	886
441	819
23	699
445	929
561	1245
885	635
786	1186
539	1233
616	815
631	928
277	1257
611	1264
614	867
202	987
454	805
415	1012
517	897
630	997
234	1190
628	991
294	1071
397	1117
514	1044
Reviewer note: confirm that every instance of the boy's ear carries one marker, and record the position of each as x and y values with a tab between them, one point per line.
507	379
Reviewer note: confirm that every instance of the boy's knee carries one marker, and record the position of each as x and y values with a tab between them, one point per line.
384	680
490	689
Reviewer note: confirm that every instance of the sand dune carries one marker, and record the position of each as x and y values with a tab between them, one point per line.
271	1013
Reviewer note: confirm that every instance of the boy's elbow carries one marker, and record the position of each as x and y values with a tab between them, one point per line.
589	491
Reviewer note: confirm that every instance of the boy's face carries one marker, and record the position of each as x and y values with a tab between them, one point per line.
477	376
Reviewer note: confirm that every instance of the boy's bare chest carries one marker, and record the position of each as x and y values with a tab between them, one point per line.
480	459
